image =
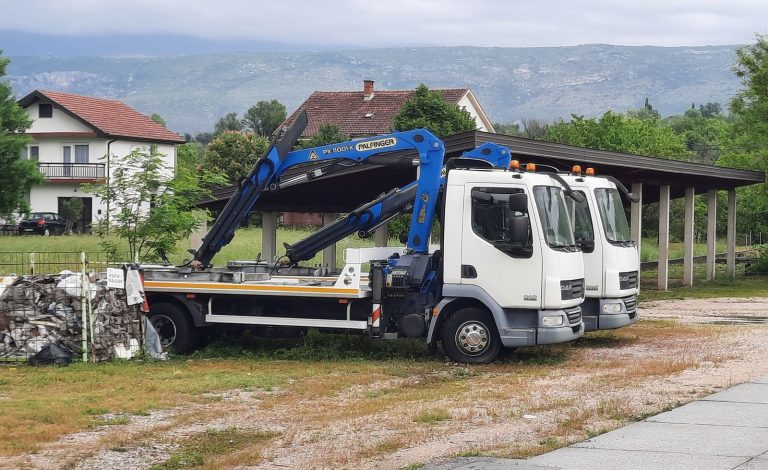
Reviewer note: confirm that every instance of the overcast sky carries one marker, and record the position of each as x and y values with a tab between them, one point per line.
380	23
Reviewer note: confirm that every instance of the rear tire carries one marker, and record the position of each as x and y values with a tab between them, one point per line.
470	336
175	327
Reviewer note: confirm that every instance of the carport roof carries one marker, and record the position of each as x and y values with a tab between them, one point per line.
349	189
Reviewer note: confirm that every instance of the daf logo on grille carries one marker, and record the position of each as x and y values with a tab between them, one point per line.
624	278
565	287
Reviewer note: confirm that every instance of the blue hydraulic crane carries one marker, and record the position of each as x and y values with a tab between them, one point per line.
266	176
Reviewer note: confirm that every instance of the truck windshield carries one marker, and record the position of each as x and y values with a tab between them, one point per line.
613	216
557	227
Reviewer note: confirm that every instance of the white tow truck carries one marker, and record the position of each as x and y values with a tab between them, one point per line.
505	273
611	260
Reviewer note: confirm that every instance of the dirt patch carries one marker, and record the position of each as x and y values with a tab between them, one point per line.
399	413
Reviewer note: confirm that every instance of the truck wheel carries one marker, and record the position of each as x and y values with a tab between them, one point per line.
175	328
470	336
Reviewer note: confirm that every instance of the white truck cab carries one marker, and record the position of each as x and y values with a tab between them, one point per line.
508	242
611	261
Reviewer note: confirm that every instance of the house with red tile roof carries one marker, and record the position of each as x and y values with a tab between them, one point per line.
75	138
370	112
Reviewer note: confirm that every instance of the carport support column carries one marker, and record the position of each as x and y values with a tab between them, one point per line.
663	237
688	237
268	235
730	259
636	216
381	235
711	233
329	253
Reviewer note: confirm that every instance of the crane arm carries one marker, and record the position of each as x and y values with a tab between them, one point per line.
266	176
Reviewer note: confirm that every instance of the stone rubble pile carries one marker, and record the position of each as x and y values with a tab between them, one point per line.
38	310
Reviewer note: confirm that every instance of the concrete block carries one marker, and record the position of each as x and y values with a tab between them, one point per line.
746	393
694	439
574	458
718	413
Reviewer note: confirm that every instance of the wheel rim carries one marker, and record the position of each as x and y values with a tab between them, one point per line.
472	338
165	328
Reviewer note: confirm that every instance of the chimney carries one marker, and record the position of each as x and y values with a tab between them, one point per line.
367	89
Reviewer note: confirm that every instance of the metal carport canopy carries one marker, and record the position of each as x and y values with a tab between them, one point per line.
348	189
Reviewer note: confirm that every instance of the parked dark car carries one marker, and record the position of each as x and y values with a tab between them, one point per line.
42	223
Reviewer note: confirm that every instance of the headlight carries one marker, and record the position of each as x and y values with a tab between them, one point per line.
552	320
612	308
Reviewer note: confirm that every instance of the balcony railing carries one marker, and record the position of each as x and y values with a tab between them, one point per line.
74	171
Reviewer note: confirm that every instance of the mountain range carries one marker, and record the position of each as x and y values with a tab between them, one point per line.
191	91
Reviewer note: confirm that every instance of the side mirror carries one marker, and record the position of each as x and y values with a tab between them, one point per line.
633	197
518	230
577	196
518	202
403	238
587	246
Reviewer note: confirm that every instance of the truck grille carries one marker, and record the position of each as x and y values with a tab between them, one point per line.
630	303
574	315
573	289
628	280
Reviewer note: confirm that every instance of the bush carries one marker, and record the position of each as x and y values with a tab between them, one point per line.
760	264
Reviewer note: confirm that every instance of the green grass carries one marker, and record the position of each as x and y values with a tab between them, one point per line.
198	449
650	249
245	245
432	417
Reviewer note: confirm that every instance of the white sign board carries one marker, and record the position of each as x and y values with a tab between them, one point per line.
115	278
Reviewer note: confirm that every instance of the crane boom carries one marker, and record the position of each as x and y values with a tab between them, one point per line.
266	173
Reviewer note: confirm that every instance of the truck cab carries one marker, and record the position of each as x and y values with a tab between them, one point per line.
508	243
611	261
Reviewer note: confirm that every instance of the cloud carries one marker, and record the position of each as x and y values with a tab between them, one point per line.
367	23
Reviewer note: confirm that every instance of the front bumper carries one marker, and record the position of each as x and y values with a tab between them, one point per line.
595	320
521	337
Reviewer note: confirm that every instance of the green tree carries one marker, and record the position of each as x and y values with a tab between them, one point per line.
705	136
750	109
17	174
190	156
203	138
534	129
234	154
326	134
229	122
150	207
429	109
158	119
264	117
507	128
621	134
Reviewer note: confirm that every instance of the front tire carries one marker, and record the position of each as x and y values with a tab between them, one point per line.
175	328
47	232
470	336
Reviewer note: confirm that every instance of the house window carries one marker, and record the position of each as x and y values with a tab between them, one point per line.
45	110
34	152
80	152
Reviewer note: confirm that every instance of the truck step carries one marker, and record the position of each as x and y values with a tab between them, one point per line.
284	321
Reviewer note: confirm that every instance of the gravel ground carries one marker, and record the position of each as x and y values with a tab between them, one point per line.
606	382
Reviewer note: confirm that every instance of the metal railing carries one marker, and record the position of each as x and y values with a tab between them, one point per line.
50	262
72	170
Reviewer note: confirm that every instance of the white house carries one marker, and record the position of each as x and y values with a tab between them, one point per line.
71	135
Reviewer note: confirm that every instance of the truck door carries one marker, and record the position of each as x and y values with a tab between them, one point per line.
589	240
494	256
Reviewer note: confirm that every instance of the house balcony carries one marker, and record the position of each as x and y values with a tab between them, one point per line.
72	172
